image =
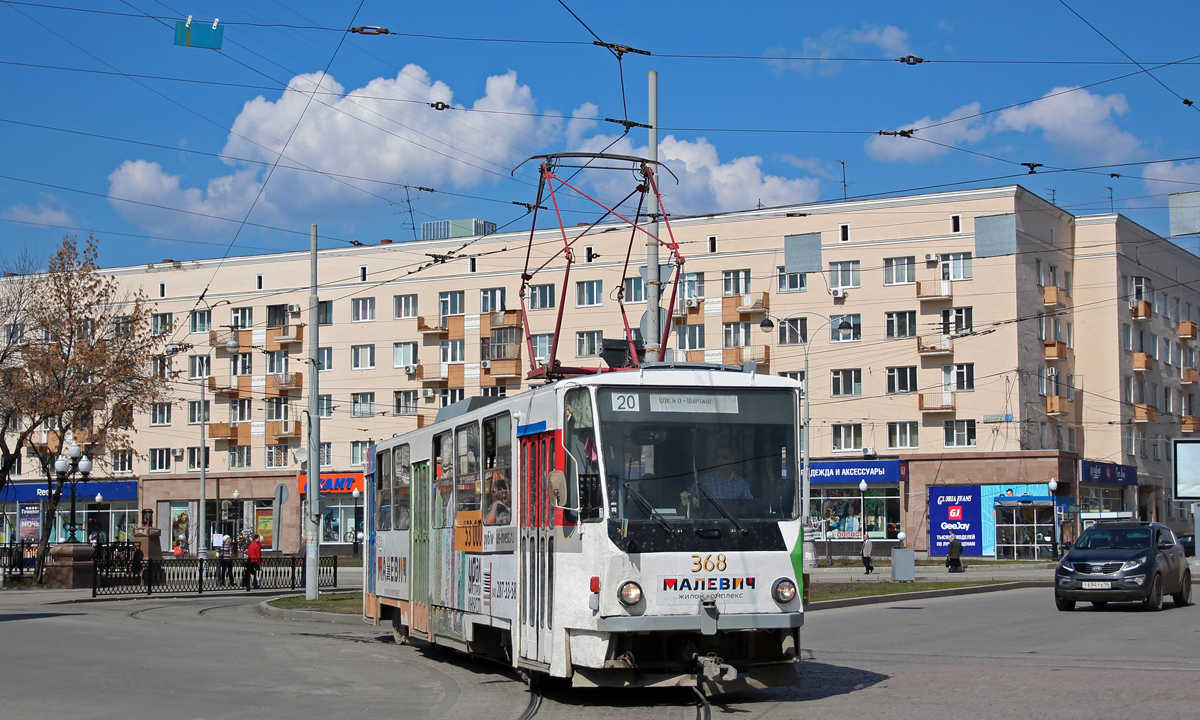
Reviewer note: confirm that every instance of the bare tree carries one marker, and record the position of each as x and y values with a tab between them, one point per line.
82	369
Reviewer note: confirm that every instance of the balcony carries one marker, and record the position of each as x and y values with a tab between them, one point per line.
437	329
1143	413
1187	330
1055	349
229	386
757	354
756	302
685	305
285	335
504	319
284	382
221	431
936	402
1057	405
220	339
1191	424
935	290
436	373
507	368
1053	297
1140	309
1187	376
1142	362
932	345
283	429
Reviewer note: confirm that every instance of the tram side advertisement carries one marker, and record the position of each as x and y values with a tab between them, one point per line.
955	510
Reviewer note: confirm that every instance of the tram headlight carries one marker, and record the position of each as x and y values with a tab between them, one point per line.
630	593
784	591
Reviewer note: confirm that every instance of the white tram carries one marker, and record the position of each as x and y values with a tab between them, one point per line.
630	528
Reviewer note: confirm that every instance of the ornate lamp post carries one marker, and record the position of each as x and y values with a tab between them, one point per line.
74	461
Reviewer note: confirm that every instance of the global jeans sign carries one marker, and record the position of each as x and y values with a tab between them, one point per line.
955	510
336	482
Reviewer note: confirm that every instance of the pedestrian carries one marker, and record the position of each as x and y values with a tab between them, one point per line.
866	555
253	563
226	557
954	555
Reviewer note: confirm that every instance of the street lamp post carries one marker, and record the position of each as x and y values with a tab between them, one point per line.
354	522
68	464
805	473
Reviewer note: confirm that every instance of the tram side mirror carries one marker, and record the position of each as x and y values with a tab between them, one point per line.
557	480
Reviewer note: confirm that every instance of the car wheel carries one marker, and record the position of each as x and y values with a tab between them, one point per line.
1183	598
1099	603
1154	601
1064	604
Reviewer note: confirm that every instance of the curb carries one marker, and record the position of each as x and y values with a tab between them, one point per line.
924	594
265	608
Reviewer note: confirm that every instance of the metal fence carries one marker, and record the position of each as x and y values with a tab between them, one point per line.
17	559
133	576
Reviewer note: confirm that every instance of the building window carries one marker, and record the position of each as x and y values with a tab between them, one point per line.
326	454
712	243
362	357
193	458
847	436
324	359
957	321
240	410
161	323
258	282
358	452
325	312
277	456
844	274
404	306
362	273
121	461
541	347
495	391
278	408
959	433
452	395
902	435
454	351
239	457
241	364
404	354
845	382
588	343
325	406
899	271
791	282
451	303
277	361
195	414
736	334
491	300
956	266
853	333
902	379
161	367
956	223
958	377
201	321
589	254
160	414
198	367
404	402
241	318
14	333
735	282
589	293
362	404
160	459
362	309
793	331
902	324
541	297
693	285
635	290
277	315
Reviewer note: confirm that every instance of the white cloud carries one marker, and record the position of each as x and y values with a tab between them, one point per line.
705	183
582	120
889	40
385	130
151	189
1078	123
1164	178
889	148
49	211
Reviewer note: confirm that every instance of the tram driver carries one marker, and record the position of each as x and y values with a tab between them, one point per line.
721	481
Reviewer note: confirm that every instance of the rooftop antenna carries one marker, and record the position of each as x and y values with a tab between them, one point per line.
844	183
1111	209
1053	195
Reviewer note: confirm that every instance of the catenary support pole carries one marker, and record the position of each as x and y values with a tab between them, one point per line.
310	523
653	281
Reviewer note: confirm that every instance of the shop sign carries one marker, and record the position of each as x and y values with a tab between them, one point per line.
29	522
38	491
336	482
1102	472
955	510
854	471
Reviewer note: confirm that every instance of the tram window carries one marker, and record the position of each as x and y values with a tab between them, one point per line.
583	470
497	470
383	490
467	496
401	489
443	483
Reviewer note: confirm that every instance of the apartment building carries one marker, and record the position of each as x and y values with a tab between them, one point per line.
958	344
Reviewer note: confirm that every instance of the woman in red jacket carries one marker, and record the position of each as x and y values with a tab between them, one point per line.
253	563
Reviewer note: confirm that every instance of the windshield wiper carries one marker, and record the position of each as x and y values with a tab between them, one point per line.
648	507
720	508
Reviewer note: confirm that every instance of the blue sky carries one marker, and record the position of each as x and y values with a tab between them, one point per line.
169	152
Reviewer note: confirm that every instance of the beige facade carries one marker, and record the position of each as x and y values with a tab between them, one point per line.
977	360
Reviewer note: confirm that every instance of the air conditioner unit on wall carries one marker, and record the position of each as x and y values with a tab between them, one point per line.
426	392
838	293
177	452
692	302
294	309
931	257
410	369
485	364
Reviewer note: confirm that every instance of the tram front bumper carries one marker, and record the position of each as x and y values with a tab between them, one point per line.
704	623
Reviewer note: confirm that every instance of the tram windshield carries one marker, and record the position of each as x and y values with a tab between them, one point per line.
687	453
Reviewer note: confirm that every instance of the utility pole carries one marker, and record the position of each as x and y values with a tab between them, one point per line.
311	507
653	278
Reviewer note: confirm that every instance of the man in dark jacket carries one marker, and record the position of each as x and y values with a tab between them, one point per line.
866	555
954	555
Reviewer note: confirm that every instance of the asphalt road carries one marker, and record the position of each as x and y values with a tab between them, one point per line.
997	655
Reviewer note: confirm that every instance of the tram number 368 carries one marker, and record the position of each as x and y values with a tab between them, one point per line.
706	563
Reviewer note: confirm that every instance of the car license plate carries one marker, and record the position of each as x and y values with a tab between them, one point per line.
1097	586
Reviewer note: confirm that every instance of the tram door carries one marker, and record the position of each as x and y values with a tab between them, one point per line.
537	547
419	578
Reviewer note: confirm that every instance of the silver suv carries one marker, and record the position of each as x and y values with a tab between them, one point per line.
1122	562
